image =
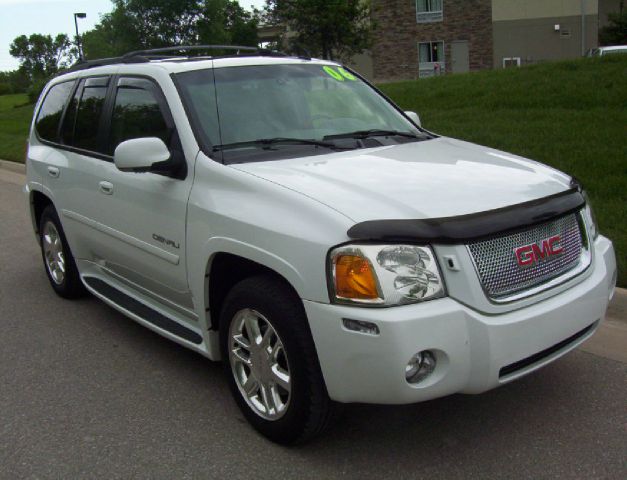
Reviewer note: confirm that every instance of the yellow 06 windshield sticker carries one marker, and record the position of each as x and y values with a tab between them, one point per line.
346	74
333	73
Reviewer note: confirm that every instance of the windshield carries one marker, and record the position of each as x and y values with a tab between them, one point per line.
253	113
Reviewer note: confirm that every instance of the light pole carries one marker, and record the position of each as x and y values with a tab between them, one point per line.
583	28
78	38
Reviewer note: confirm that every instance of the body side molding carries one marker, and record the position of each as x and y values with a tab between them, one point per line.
135	242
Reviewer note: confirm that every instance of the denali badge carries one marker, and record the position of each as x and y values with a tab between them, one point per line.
528	255
165	241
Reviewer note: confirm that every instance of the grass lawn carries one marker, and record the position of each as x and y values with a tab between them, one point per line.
571	115
15	118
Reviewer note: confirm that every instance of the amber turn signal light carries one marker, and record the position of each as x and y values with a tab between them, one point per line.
354	278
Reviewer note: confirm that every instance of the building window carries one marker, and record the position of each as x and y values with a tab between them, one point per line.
430	59
509	62
429	11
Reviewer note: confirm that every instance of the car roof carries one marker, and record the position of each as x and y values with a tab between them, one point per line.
186	64
613	47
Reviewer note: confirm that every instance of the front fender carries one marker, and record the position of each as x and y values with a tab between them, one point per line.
250	252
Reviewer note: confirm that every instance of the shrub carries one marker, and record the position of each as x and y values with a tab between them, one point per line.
35	90
5	89
615	33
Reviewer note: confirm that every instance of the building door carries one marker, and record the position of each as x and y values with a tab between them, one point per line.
459	57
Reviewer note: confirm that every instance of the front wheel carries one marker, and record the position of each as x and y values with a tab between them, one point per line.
271	362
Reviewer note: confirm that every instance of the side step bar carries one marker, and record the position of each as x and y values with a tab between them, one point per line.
143	311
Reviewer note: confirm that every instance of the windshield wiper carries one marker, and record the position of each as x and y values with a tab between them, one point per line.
372	133
268	142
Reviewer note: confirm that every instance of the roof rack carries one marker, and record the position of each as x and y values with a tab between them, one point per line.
144	56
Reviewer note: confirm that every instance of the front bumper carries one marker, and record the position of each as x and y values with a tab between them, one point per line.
471	348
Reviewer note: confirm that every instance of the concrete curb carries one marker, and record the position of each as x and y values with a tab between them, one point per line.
13	166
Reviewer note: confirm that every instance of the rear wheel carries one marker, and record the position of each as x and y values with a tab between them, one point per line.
271	362
58	260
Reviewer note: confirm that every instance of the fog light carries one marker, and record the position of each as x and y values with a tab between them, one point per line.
420	366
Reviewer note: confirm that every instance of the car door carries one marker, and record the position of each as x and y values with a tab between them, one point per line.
145	215
74	165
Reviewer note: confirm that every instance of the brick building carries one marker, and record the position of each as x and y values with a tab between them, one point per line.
430	37
422	38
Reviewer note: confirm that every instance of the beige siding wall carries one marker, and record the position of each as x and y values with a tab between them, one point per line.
503	10
535	40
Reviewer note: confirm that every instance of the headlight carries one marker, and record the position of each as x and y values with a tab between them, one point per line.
590	219
384	275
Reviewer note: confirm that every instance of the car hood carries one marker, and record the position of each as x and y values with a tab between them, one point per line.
437	178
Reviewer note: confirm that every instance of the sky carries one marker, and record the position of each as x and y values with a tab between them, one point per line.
25	17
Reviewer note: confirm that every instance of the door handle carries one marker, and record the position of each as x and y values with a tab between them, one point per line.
106	187
53	172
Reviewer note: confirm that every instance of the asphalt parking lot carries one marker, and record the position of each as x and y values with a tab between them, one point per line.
87	393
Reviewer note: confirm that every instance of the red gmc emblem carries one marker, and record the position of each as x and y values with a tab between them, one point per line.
528	255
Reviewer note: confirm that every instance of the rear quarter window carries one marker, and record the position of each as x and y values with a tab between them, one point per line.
47	123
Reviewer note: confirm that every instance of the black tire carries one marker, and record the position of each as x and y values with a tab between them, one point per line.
70	286
309	411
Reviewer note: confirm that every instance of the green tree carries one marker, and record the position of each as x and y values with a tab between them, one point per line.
615	33
41	56
240	25
114	35
143	24
327	28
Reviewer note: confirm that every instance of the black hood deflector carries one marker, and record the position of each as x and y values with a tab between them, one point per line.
474	226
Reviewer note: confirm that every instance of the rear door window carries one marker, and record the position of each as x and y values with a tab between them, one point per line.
47	123
89	114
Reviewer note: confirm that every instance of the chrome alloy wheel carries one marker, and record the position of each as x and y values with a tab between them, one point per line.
53	252
259	364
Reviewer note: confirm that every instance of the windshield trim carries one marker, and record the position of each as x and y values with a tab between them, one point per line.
208	148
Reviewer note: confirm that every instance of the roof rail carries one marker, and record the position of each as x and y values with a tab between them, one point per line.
184	48
144	56
100	62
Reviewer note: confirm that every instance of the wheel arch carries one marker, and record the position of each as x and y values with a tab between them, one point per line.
236	261
38	202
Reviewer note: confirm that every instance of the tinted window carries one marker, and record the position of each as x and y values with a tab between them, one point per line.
88	115
67	130
47	123
136	114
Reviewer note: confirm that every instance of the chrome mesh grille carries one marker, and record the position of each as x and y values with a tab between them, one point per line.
498	268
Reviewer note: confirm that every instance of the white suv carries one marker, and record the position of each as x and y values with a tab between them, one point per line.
281	214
